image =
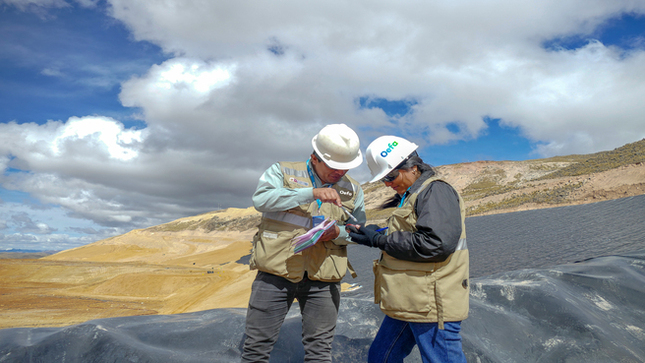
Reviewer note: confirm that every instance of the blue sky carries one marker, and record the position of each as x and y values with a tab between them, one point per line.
117	114
69	63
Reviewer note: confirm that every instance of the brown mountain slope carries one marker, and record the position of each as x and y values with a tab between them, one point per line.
190	264
505	186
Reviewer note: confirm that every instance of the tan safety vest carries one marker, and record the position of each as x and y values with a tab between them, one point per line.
272	247
422	291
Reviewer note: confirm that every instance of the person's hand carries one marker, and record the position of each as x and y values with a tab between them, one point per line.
330	234
366	236
327	195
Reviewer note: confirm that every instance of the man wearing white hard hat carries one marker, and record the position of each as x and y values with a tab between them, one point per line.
295	197
421	281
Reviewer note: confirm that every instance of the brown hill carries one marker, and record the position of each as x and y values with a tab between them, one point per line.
507	186
190	264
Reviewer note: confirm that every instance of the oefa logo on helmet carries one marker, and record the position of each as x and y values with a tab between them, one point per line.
389	149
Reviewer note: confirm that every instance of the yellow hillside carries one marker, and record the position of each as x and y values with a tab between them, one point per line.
150	271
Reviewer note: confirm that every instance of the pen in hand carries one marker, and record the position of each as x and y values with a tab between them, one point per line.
349	214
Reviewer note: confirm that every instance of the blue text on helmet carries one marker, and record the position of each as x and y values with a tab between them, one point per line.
389	149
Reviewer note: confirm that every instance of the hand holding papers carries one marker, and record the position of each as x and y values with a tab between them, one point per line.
312	236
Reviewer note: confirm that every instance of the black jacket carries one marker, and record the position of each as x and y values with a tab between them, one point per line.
438	225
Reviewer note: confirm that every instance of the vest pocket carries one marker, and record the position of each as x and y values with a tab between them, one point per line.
377	282
327	261
404	290
273	253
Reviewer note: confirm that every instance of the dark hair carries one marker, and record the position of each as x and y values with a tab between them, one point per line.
407	164
415	160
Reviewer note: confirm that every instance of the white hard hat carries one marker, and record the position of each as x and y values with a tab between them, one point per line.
386	153
338	147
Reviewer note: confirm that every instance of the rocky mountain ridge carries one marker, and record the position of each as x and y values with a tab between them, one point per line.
490	187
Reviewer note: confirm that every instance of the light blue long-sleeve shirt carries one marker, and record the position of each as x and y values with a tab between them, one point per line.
272	196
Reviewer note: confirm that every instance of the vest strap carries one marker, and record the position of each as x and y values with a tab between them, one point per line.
289	218
351	269
439	301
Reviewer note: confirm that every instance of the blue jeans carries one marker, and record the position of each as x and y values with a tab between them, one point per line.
396	338
271	298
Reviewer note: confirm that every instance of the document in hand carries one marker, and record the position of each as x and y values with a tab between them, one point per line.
312	236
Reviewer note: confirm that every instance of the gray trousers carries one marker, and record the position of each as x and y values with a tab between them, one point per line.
271	298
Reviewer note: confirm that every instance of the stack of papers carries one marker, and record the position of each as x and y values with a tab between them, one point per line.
312	236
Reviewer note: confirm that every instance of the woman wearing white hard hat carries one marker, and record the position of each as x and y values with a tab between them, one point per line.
421	277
